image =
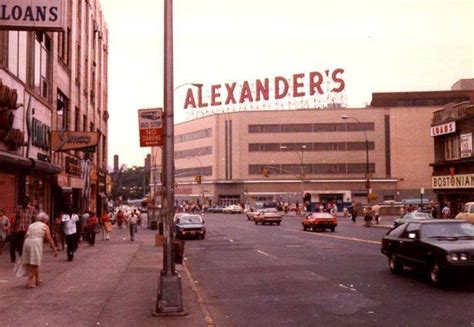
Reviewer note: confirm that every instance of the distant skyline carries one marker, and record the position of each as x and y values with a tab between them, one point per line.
418	45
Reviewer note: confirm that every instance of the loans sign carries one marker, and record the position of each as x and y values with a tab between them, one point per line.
37	15
150	123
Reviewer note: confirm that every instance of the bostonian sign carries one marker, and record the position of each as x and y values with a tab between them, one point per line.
38	15
455	181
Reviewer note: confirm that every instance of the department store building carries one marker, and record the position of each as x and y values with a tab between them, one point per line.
311	151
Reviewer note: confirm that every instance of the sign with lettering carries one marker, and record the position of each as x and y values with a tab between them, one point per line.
150	124
466	145
296	86
443	129
73	166
455	181
37	15
68	140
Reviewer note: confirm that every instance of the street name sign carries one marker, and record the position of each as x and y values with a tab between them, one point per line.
150	123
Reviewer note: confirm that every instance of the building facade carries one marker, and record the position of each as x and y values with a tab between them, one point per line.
453	166
309	151
54	81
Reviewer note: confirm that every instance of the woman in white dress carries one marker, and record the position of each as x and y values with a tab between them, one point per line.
33	248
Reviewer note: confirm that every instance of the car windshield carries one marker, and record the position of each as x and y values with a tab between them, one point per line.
270	210
189	220
448	230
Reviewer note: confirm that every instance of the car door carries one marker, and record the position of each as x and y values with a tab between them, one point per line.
410	245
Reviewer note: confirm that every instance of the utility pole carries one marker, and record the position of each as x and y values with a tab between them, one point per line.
170	299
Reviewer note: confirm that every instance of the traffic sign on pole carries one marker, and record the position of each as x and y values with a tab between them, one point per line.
150	123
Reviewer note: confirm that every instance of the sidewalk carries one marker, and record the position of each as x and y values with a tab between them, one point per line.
114	283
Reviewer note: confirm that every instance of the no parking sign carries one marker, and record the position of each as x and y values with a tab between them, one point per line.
150	123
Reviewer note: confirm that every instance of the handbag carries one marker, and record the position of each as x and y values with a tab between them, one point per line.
20	269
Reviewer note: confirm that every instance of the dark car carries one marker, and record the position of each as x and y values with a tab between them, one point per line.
438	246
218	209
190	226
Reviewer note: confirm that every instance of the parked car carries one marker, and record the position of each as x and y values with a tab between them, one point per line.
189	225
268	215
233	208
438	246
319	221
467	213
252	213
412	216
217	209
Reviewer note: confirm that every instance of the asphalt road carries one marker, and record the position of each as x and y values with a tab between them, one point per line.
254	275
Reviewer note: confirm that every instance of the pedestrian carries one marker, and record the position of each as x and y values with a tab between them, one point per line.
376	209
132	224
92	227
106	226
446	212
353	214
434	211
58	233
368	216
24	216
4	230
69	220
402	211
33	248
84	218
345	212
120	218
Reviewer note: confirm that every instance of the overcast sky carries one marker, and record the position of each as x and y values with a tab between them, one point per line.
383	46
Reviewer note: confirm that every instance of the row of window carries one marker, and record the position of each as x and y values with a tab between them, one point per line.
198	152
309	128
317	146
203	133
195	171
313	169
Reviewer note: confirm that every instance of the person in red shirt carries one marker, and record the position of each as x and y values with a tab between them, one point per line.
106	226
92	226
24	216
120	218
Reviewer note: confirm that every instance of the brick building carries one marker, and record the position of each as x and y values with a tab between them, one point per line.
54	81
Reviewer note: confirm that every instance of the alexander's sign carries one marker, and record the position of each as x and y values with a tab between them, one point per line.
38	15
64	140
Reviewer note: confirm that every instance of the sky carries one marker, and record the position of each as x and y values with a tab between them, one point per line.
382	45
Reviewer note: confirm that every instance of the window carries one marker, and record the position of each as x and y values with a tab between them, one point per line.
354	146
77	120
396	232
84	123
3	48
197	152
296	128
452	147
62	117
78	63
64	46
204	133
190	172
14	55
360	168
42	64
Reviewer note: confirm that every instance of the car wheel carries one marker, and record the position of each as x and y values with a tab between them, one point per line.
313	228
333	229
394	264
436	274
278	223
304	227
256	222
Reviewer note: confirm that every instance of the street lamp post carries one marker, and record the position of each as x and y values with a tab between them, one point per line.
170	299
301	156
367	176
200	174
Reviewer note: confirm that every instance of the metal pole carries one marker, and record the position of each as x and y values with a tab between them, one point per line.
367	167
169	299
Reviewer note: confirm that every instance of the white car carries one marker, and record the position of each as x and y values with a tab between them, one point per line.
233	208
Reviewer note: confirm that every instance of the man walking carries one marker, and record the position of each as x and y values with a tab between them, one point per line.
132	224
69	220
23	218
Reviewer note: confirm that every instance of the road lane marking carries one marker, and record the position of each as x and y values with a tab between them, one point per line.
202	306
266	254
348	288
338	237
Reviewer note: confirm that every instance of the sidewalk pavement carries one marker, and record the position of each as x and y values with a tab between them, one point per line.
114	283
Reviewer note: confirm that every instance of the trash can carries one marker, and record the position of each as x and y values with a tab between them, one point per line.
154	225
178	251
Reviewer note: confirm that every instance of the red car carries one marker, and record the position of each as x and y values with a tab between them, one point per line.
319	220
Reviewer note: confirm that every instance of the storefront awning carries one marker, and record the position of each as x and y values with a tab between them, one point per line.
45	167
13	160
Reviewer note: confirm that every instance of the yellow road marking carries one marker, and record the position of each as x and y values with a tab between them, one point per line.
338	237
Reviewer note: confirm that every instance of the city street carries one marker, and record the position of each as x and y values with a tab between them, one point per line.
254	275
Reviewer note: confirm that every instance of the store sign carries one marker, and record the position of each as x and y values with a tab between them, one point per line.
150	123
37	15
40	134
277	88
466	145
73	166
455	181
64	140
447	128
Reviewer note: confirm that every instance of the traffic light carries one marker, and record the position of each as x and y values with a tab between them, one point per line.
197	178
266	172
